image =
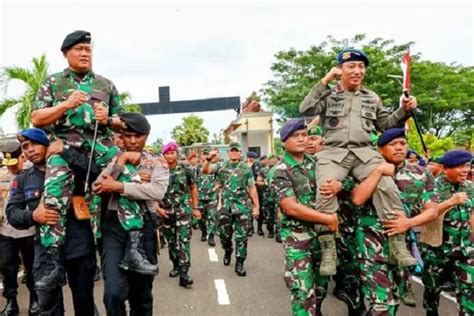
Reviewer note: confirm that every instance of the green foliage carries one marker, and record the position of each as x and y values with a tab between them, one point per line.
445	93
190	131
217	139
157	145
127	106
32	79
436	146
278	146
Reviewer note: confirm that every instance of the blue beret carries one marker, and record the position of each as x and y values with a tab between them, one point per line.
455	158
352	55
251	154
76	37
35	135
290	127
389	135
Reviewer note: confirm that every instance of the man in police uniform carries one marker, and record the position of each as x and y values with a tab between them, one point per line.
349	114
24	211
149	183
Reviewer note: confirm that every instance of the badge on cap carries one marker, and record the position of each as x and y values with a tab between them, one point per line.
346	55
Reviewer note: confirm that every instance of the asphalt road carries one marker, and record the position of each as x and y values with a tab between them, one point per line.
217	290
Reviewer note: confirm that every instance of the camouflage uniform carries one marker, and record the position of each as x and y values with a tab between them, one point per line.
74	129
268	200
382	282
456	254
177	228
207	201
235	212
273	196
302	248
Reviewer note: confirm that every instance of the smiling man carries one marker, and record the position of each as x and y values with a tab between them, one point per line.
349	114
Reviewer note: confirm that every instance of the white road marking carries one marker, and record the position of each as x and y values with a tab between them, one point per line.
446	295
222	296
213	255
20	274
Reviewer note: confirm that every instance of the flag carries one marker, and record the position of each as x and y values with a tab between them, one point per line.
405	64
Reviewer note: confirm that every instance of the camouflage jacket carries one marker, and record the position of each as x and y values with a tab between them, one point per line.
294	179
206	184
263	174
456	226
178	194
348	212
77	124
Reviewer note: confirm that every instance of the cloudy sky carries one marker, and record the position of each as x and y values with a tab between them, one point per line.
216	49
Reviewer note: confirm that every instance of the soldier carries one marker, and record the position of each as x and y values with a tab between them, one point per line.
383	281
454	257
73	101
273	160
14	241
294	182
237	185
25	211
133	175
177	213
261	189
434	166
349	114
268	201
315	140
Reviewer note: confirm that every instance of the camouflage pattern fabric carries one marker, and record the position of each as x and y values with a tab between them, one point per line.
236	225
207	201
455	256
269	201
177	228
301	244
274	197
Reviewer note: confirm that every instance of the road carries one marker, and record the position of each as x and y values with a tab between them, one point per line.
217	290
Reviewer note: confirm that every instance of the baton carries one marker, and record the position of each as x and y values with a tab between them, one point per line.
94	140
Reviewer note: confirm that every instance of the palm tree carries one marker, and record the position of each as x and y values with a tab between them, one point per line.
190	131
127	106
33	80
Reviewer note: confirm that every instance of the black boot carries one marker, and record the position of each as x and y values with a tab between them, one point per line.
271	232
239	267
11	309
204	236
175	271
227	257
259	229
210	240
432	313
134	259
34	308
54	274
184	278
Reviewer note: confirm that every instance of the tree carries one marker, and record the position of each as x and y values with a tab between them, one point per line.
445	92
436	146
190	131
157	145
127	106
216	139
33	79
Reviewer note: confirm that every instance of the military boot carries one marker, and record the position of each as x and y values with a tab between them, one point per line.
204	236
408	297
432	313
239	267
11	309
271	232
399	253
54	273
210	240
175	271
328	254
227	257
259	229
134	259
34	308
184	278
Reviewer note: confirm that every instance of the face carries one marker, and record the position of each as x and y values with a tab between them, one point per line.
204	156
434	168
457	174
171	157
272	161
193	161
34	152
314	144
263	162
250	160
353	73
79	57
234	154
412	158
297	142
133	141
395	151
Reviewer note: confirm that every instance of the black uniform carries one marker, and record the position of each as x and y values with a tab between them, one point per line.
78	249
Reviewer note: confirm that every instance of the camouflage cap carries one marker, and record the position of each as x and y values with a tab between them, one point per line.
206	149
235	145
315	131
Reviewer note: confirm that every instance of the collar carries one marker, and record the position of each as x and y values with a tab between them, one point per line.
290	160
68	72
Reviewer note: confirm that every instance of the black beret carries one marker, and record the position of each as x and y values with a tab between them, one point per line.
455	158
136	122
389	135
352	55
290	127
251	154
76	37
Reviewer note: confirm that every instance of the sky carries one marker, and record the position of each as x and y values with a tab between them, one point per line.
215	49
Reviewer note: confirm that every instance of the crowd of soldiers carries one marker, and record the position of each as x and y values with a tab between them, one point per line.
345	204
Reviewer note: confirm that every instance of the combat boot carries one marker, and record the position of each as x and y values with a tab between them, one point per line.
271	232
175	271
134	259
239	267
432	313
227	257
328	254
210	240
34	308
204	236
408	297
54	274
11	309
259	229
184	278
399	253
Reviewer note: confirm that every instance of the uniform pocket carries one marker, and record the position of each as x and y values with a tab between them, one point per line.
368	118
334	116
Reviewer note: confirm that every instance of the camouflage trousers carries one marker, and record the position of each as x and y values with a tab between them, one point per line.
234	223
302	259
269	208
459	267
178	231
208	208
